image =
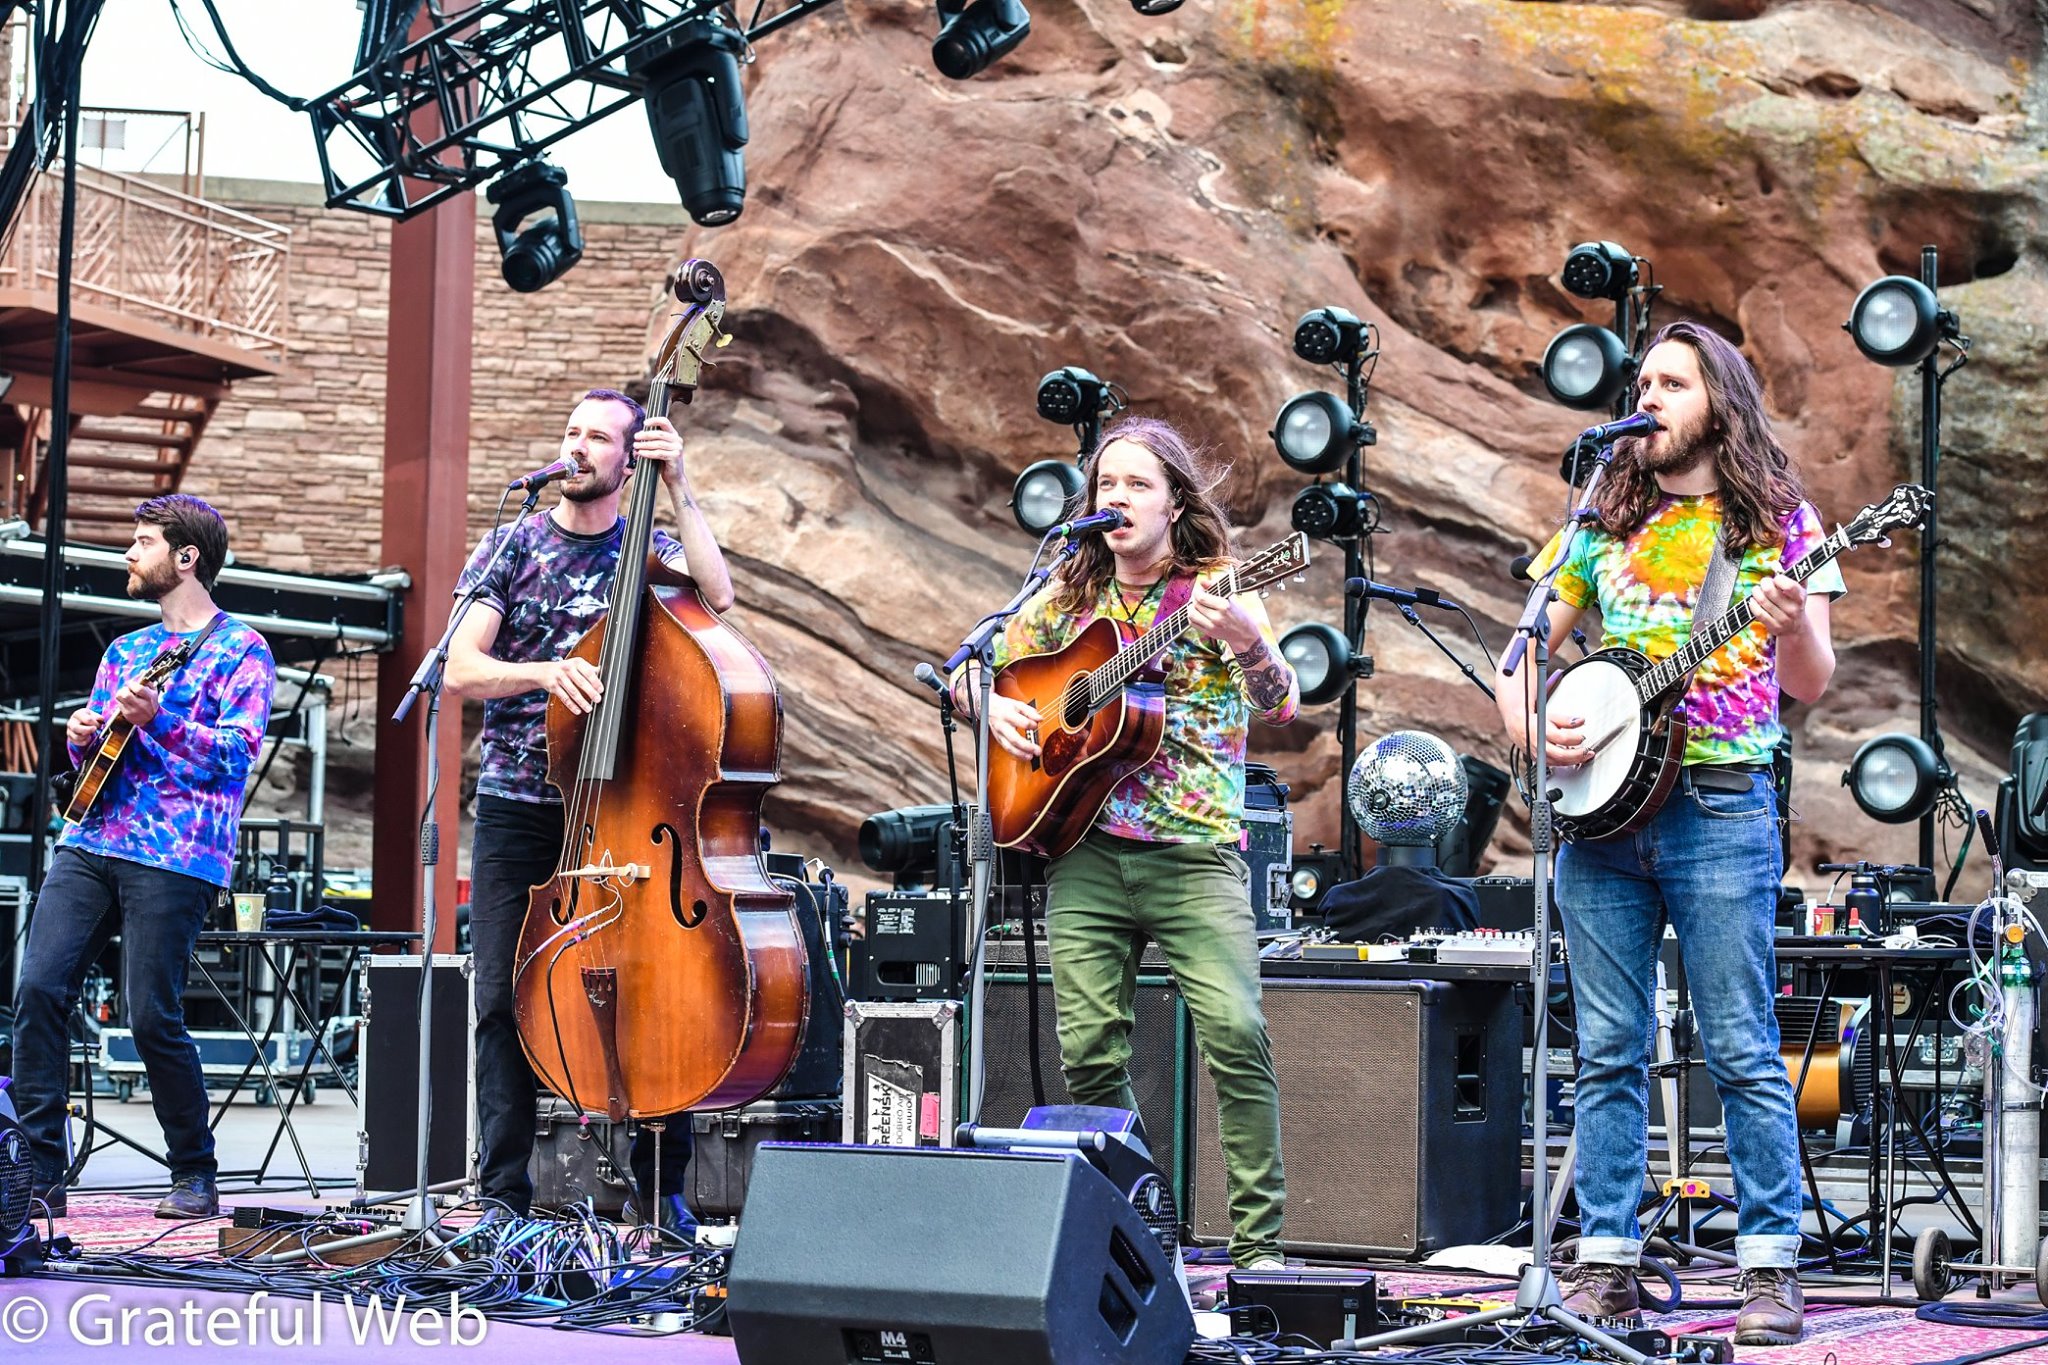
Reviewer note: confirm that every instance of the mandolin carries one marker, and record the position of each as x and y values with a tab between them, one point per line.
103	755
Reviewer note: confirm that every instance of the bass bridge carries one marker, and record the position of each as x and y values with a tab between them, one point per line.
606	870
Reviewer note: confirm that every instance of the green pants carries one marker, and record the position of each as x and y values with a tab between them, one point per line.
1108	895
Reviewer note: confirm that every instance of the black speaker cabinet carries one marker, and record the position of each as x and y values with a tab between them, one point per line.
1400	1117
389	1049
915	1256
1162	1050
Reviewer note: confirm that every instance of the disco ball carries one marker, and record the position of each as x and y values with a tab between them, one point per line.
1408	788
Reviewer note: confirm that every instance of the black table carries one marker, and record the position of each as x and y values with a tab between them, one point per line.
297	945
1831	958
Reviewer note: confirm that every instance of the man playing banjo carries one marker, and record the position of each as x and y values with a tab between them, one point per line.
1709	861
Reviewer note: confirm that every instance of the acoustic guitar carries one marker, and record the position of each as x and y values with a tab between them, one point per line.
103	755
1634	729
1102	697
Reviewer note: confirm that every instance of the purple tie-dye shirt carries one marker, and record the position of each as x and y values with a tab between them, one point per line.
550	587
175	799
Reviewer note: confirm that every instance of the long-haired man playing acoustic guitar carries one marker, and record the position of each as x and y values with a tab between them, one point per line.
1709	861
155	848
1160	861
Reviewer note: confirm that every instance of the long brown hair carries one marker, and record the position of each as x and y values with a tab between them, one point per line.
1759	486
1200	536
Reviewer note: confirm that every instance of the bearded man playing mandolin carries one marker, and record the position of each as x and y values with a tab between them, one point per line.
1709	859
548	589
1159	860
154	845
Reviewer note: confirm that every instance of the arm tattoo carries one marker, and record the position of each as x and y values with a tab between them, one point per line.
1267	680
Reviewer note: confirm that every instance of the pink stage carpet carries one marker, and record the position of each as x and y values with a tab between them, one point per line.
103	1225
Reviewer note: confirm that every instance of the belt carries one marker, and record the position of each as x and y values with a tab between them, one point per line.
1724	777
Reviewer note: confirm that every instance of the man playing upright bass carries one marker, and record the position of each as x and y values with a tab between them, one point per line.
552	584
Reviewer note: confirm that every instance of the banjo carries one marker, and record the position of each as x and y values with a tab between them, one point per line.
1634	728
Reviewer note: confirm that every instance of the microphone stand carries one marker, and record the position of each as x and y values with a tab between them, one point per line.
1408	613
421	1218
1537	1294
978	647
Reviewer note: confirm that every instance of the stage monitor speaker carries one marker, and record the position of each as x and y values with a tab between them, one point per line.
1162	1051
914	1256
1400	1117
389	1053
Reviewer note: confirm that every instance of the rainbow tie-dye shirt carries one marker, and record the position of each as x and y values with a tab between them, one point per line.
175	800
1193	789
1645	585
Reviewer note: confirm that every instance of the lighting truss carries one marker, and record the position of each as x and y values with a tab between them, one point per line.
491	87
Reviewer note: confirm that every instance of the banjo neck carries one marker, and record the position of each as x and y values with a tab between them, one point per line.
1672	673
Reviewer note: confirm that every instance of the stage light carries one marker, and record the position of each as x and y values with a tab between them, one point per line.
1333	511
1587	367
905	842
1043	493
1600	270
1321	659
535	223
1315	433
1896	778
1897	322
1315	872
971	36
1155	7
1072	395
1329	336
698	115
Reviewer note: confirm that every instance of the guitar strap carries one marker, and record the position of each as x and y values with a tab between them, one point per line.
1717	591
1178	590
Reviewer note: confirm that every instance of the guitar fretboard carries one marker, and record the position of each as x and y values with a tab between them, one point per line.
1108	680
1697	650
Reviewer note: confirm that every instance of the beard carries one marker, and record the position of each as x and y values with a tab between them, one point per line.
593	486
150	585
1679	453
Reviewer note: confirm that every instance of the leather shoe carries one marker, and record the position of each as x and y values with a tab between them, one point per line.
1773	1308
677	1224
1598	1292
191	1196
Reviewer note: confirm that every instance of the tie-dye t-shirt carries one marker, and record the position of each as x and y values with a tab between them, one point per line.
1645	585
175	799
1193	789
550	587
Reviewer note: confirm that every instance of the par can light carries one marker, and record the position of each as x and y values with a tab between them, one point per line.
1896	321
1321	659
1328	336
1600	270
1316	433
1896	778
1043	493
1587	367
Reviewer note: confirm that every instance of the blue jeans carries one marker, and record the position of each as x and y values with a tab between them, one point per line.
160	916
1710	864
516	848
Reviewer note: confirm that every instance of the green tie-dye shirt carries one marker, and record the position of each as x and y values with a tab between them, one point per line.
1193	789
1645	585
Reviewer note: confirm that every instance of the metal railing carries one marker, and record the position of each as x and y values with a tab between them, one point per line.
154	253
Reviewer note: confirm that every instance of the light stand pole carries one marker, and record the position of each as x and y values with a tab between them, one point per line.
1931	376
1349	847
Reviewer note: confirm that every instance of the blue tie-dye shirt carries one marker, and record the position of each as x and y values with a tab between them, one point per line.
175	799
551	586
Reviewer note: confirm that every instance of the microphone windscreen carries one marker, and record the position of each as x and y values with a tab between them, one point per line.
1518	567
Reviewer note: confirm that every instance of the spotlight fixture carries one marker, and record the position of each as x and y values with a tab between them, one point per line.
1329	336
971	36
1897	322
1073	395
698	114
1600	270
1155	8
1315	872
906	842
1334	511
1043	493
1316	433
535	223
1897	778
1587	367
1322	661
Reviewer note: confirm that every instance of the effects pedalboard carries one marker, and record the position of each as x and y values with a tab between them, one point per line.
1468	947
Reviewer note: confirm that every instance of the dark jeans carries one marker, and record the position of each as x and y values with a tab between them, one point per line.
160	916
517	846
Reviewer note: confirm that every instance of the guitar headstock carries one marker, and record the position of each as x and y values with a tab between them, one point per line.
165	664
1907	505
679	361
1274	563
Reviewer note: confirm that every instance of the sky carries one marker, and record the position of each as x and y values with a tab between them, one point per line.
137	59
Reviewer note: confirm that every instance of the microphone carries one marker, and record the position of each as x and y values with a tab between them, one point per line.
1427	597
929	676
1108	519
547	474
1635	424
1518	567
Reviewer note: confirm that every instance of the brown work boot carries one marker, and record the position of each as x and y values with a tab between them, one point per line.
1773	1309
1597	1292
191	1196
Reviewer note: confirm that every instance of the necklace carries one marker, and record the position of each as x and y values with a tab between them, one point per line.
1123	601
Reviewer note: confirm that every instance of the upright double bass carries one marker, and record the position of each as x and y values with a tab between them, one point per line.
661	969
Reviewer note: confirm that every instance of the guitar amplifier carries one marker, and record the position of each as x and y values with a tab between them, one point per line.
915	946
